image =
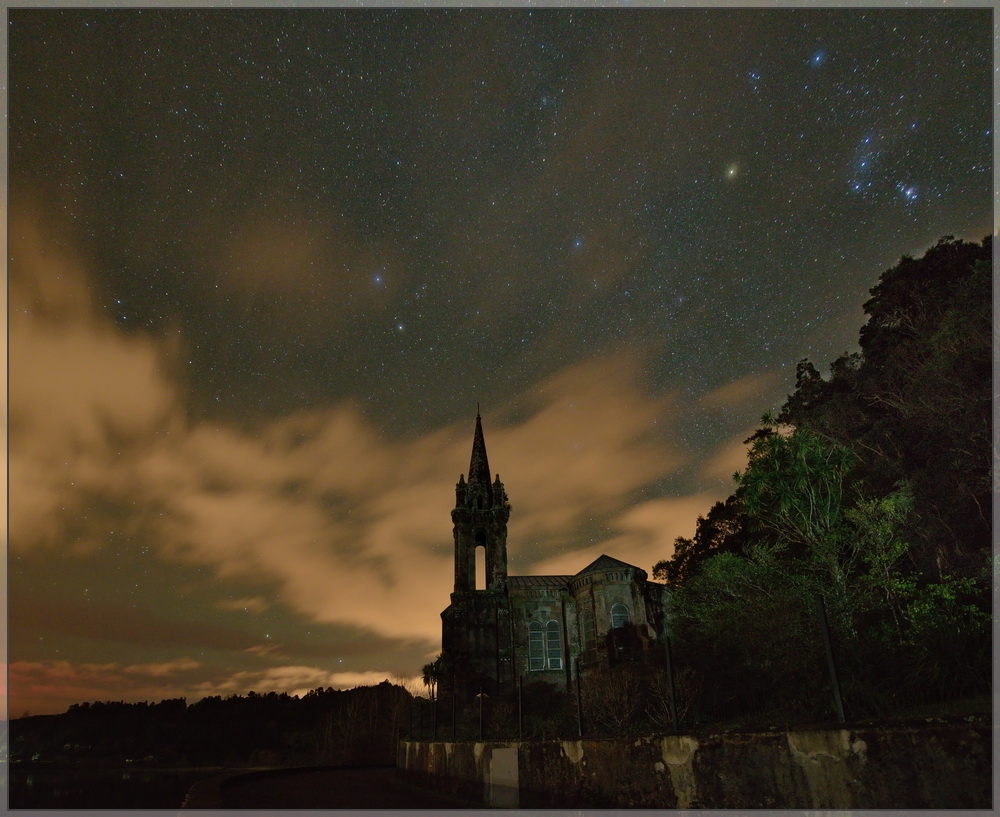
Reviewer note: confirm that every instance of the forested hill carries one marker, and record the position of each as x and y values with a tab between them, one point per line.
870	489
334	727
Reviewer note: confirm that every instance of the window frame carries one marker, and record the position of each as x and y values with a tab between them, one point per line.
545	648
536	646
552	629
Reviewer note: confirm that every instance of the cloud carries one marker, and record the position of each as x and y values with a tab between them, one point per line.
318	511
356	530
292	679
250	604
54	685
727	459
645	534
294	266
80	392
124	624
346	526
165	668
754	388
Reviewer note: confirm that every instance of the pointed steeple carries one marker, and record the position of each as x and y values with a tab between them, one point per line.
479	466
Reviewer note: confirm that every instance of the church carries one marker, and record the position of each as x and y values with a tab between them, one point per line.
534	627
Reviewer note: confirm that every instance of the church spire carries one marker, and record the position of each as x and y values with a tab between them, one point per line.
479	466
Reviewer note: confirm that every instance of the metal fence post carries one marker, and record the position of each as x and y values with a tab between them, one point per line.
579	701
520	708
824	626
670	683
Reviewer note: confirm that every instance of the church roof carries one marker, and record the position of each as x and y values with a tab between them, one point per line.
479	466
538	581
605	562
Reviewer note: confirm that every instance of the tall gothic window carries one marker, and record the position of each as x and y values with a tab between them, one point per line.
620	633
553	645
544	646
619	616
480	575
536	646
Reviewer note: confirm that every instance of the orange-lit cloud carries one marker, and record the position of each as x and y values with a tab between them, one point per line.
343	525
39	683
752	389
36	685
646	534
348	527
165	668
726	460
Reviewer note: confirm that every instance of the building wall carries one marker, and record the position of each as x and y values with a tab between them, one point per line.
485	633
543	604
936	766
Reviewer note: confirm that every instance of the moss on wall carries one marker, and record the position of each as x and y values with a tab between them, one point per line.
940	766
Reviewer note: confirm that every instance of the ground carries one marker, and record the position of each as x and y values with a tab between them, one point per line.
328	788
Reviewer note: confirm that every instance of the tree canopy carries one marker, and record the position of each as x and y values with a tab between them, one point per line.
870	489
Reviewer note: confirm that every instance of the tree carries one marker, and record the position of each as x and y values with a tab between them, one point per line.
722	530
431	673
914	404
793	485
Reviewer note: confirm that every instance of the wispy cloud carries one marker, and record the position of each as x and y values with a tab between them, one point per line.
41	682
347	526
341	524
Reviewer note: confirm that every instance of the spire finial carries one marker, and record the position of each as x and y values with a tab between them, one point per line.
479	467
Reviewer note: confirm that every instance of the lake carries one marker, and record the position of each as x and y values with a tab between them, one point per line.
64	786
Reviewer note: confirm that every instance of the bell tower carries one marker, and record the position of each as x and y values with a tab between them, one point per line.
476	648
480	522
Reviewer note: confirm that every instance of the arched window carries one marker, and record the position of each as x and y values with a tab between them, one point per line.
480	570
536	646
553	645
621	634
544	646
619	616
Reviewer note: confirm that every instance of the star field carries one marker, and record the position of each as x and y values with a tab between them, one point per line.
293	248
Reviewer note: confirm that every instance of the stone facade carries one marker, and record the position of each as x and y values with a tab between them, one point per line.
534	627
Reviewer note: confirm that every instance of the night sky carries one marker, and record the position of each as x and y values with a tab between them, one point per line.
265	264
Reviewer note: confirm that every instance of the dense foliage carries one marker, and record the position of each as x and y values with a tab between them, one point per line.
870	491
325	726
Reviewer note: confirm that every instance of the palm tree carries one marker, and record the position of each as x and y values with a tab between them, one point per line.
431	673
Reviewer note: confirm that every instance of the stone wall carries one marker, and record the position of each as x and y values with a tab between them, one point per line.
939	766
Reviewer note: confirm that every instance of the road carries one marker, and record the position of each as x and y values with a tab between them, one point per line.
378	788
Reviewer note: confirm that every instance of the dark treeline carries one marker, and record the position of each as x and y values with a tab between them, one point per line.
359	726
871	491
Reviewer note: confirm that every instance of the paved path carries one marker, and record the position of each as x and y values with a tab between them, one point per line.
332	789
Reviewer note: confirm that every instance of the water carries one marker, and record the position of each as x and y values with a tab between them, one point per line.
60	786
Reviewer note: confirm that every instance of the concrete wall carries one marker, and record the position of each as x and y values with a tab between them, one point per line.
936	766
